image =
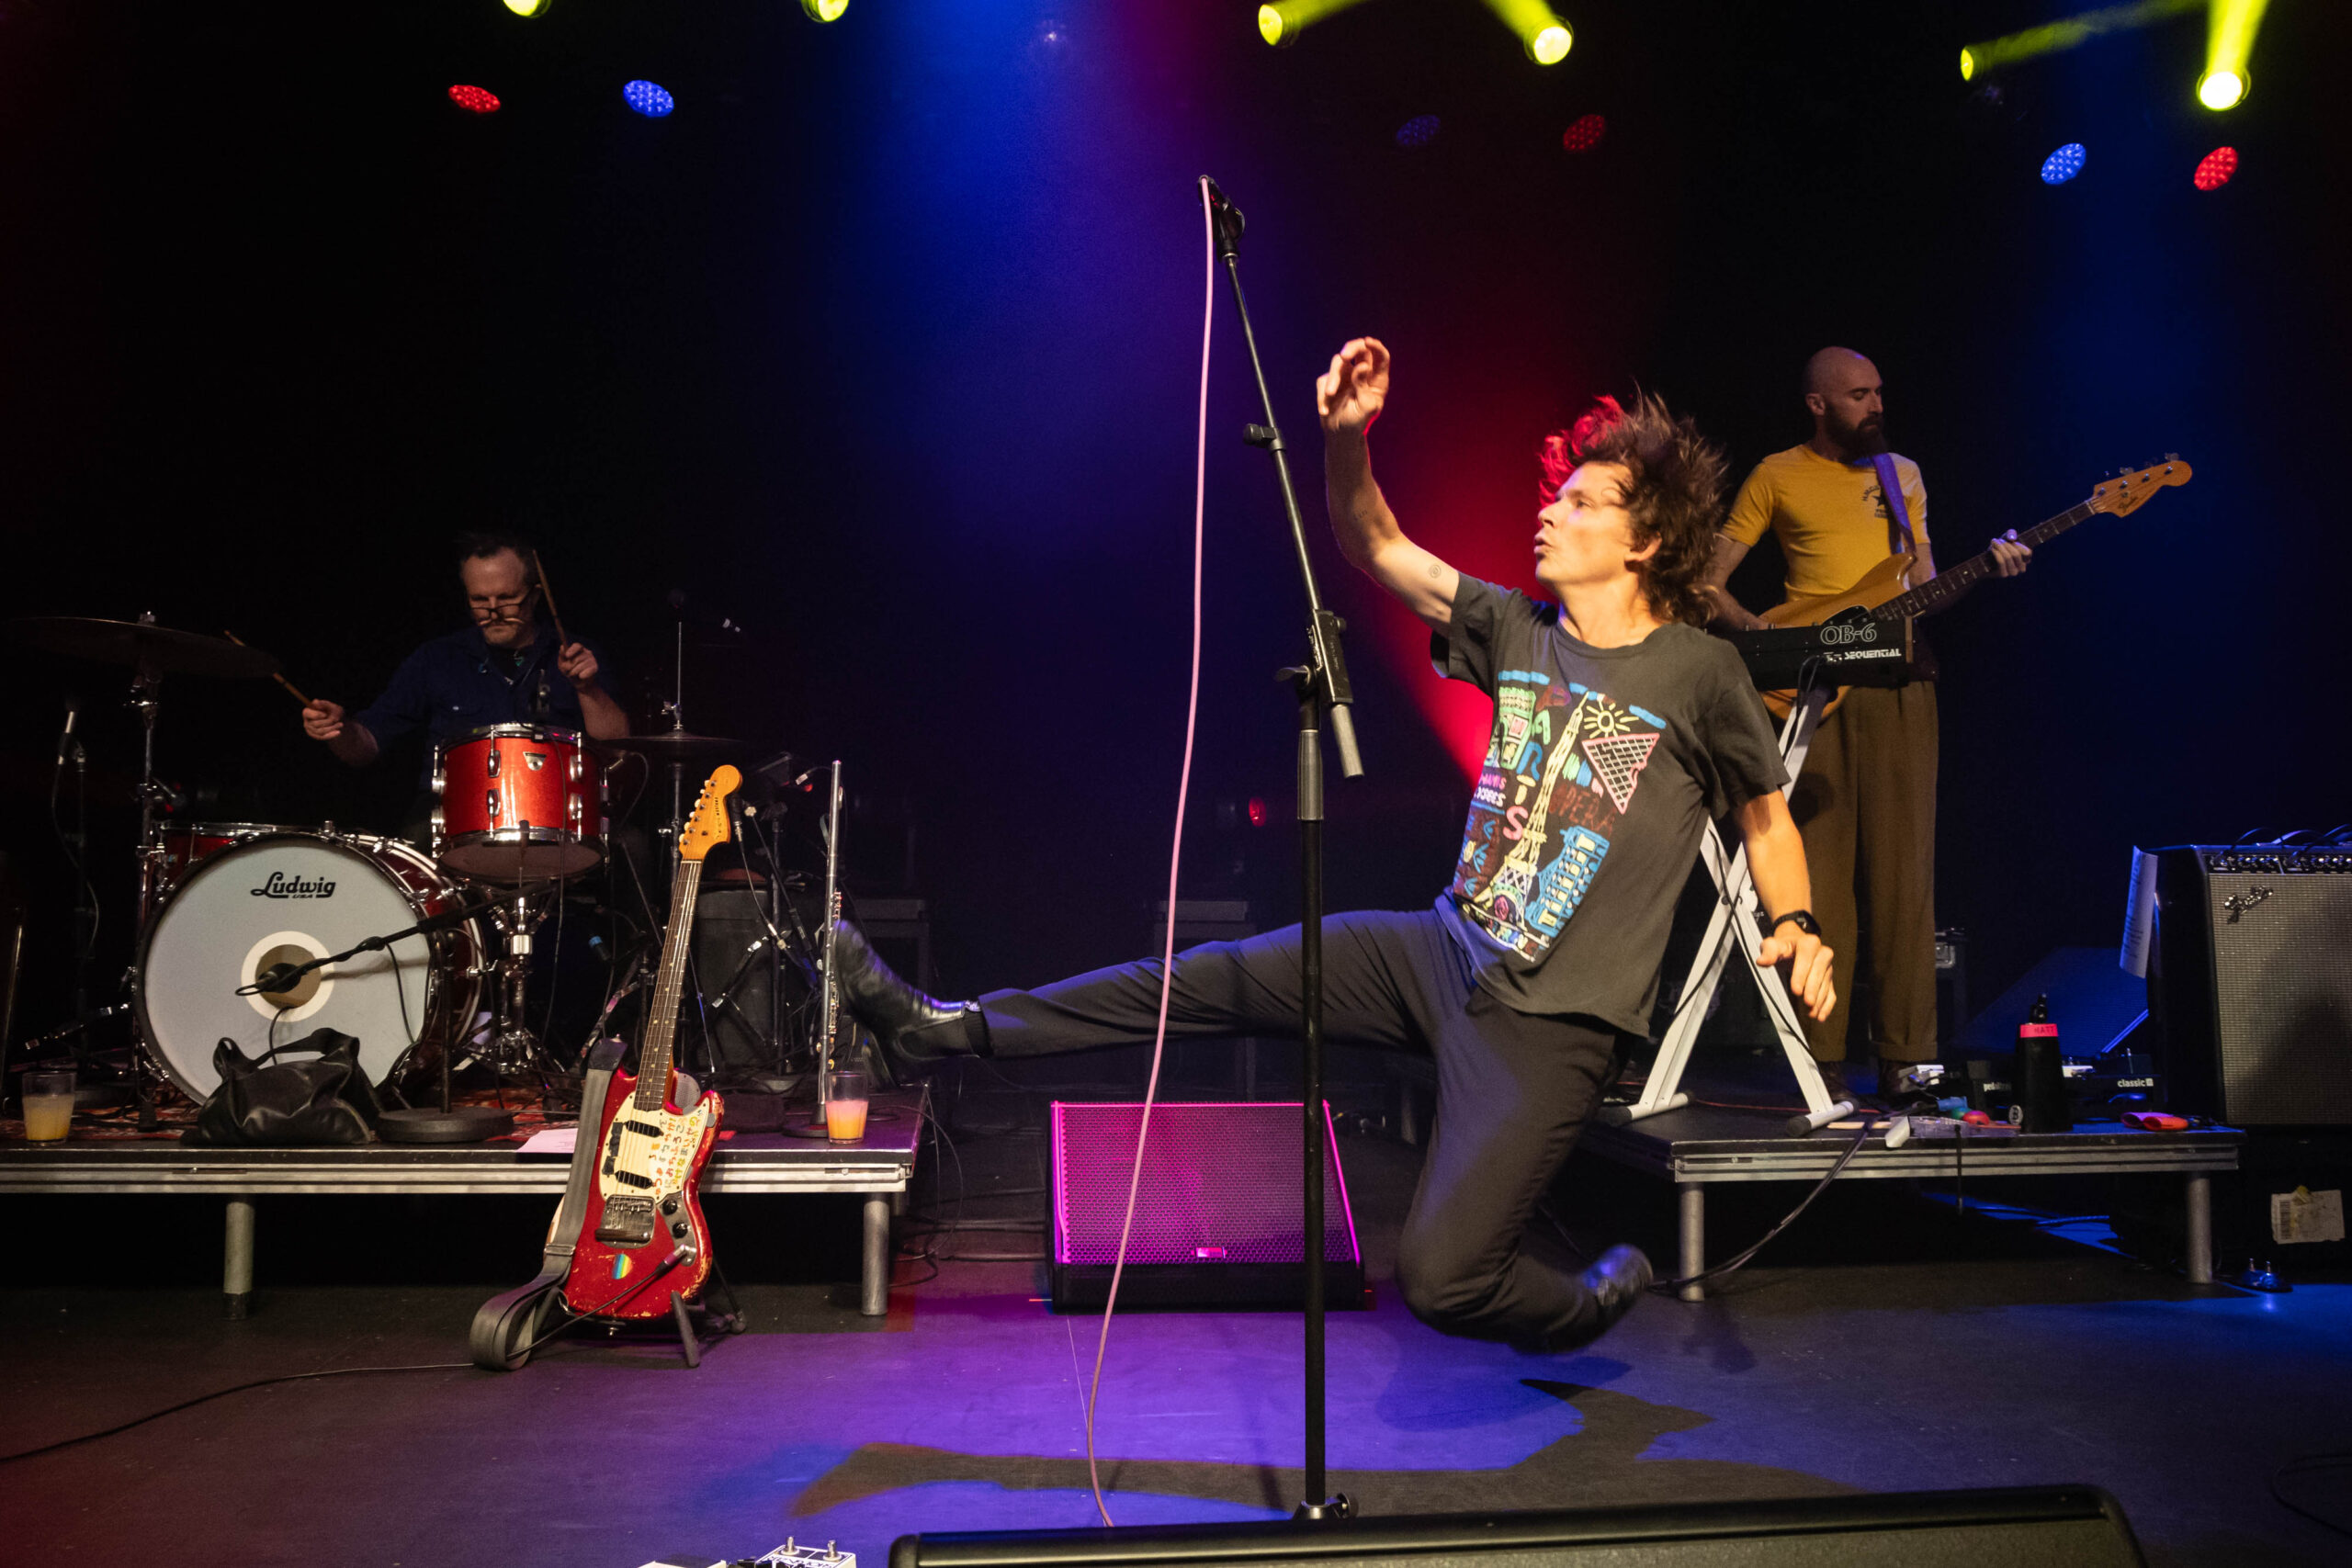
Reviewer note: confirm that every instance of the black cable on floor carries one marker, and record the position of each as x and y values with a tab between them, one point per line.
1786	1221
2307	1465
223	1393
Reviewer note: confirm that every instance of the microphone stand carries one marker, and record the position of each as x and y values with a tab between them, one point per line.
277	977
1324	695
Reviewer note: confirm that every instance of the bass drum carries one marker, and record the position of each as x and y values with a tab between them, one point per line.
288	898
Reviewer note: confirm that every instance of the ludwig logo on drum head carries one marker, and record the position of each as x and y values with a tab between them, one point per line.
280	885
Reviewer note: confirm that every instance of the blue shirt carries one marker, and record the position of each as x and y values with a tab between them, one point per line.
459	684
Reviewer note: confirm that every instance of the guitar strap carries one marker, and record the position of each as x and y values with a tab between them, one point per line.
1900	540
503	1329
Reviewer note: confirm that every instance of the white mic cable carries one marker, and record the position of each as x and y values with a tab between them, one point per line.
1175	854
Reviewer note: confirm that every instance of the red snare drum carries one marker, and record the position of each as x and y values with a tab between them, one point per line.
517	803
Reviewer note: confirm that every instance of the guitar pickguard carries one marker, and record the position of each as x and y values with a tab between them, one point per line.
648	1156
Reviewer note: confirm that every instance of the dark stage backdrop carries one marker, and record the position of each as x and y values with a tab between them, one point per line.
884	345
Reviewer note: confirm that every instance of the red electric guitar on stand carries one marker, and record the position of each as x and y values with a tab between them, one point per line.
643	1249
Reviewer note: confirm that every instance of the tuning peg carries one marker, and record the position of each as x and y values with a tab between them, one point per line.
2171	456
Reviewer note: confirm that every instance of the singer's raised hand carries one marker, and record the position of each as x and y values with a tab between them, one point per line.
1350	394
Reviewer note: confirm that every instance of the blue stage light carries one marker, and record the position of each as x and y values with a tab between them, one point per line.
1418	132
2063	164
647	99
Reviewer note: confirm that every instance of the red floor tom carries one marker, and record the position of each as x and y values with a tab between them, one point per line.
518	803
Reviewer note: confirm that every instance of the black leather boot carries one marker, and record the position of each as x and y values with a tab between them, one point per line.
916	1032
1617	1280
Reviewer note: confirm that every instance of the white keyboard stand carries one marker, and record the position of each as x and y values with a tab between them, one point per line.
1734	925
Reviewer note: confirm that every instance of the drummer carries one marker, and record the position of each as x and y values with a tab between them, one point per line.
504	669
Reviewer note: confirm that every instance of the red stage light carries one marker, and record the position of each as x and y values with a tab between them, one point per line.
1585	134
1257	812
474	100
2213	171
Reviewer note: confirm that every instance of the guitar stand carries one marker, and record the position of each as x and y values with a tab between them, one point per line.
1734	924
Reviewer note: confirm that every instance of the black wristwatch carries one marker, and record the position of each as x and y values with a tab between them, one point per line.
1804	918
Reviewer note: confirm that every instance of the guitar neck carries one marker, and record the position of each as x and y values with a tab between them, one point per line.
661	1021
1949	584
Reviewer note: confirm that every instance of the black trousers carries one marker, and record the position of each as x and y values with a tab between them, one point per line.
1513	1089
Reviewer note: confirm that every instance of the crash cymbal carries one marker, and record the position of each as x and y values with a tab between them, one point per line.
675	745
140	645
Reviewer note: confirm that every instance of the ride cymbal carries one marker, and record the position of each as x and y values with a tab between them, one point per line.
142	645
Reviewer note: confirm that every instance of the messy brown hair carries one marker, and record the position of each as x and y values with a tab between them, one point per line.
1674	492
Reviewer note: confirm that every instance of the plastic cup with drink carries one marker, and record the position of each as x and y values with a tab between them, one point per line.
845	1112
49	1105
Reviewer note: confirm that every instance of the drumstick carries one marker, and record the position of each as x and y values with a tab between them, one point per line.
281	679
553	613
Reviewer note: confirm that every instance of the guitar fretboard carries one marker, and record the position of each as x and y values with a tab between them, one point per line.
1950	583
662	1024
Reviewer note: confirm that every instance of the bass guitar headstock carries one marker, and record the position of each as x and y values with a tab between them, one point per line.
707	827
2126	493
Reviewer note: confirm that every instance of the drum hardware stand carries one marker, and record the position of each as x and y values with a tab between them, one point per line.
511	1047
1324	696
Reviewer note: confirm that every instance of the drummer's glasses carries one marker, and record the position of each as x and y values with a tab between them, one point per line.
503	608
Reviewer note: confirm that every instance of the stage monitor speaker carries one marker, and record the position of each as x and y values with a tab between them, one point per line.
2025	1527
1218	1214
2254	983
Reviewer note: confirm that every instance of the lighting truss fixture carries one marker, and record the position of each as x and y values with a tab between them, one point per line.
2063	164
2229	39
1542	33
1280	23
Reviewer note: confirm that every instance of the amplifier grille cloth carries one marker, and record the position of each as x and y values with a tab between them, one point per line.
2282	985
1214	1175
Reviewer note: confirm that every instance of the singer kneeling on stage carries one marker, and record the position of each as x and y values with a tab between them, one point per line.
1620	729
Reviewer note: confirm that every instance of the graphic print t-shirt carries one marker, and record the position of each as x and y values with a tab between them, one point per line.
1603	768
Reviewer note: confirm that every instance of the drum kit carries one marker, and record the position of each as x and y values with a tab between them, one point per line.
229	907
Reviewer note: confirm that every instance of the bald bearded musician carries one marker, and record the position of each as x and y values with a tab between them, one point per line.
1839	505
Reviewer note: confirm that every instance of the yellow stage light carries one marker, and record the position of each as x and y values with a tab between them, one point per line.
1541	33
2220	89
1993	54
1280	22
2229	39
528	7
824	10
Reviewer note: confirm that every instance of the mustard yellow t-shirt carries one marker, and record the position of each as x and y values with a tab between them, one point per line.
1830	517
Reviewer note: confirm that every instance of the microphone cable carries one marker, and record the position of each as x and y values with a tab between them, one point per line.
1175	853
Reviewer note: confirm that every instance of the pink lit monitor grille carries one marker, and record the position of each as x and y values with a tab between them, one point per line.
1220	1185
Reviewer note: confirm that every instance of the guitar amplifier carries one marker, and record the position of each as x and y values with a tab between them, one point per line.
2253	983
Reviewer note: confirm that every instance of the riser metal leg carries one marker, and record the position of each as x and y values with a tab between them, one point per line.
874	1273
1692	1236
237	1260
2200	1229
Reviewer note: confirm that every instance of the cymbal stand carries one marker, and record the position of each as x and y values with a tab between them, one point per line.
147	699
77	849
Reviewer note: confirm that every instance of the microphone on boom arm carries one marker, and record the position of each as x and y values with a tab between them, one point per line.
1228	218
